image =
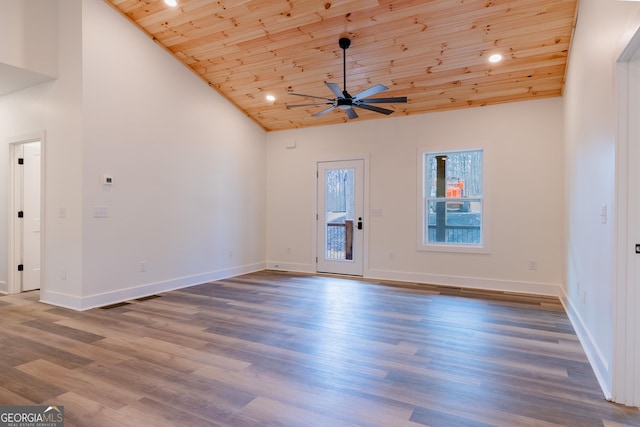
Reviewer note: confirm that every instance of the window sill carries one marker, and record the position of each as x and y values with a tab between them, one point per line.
454	248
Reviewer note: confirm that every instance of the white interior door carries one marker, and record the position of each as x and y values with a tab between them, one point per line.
626	309
632	292
340	217
31	216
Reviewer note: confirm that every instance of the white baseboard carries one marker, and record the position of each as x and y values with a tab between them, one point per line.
548	289
120	295
61	299
296	267
598	362
4	288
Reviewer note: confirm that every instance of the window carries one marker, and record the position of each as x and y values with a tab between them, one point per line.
452	197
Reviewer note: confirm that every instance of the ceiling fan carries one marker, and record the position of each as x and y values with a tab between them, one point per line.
344	100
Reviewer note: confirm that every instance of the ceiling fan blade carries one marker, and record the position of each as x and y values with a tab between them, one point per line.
335	89
309	105
371	91
311	96
374	108
397	99
323	112
351	113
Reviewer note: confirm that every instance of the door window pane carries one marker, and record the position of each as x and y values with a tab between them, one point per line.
340	204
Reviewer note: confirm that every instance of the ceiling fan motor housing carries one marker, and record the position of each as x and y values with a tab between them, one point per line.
344	103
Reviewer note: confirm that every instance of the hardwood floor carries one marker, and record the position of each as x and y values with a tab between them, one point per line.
277	349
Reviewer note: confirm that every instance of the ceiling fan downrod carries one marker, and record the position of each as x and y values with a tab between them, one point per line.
344	44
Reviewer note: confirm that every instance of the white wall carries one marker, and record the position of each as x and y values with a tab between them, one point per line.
54	107
523	189
29	51
188	193
590	138
189	170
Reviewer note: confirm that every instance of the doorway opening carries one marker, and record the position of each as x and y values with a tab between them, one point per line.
25	213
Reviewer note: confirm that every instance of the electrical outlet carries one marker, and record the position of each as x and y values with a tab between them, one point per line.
392	256
63	274
533	264
143	266
230	254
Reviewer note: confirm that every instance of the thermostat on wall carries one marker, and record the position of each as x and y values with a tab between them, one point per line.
107	179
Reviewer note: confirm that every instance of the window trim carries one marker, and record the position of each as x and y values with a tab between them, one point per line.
484	247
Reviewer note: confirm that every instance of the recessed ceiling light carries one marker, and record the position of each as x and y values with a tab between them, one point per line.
496	57
172	3
270	98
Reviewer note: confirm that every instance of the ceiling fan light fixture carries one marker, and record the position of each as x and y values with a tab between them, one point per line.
172	3
270	98
496	57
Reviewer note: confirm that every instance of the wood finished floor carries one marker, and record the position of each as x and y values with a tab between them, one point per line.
275	349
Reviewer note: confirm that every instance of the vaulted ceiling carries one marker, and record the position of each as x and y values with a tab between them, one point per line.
434	52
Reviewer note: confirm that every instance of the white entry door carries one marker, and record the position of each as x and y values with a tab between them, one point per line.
341	217
31	216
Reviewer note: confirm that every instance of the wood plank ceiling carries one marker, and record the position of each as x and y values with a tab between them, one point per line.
434	52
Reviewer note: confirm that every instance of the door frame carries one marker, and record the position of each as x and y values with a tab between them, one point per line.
625	369
365	213
14	142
